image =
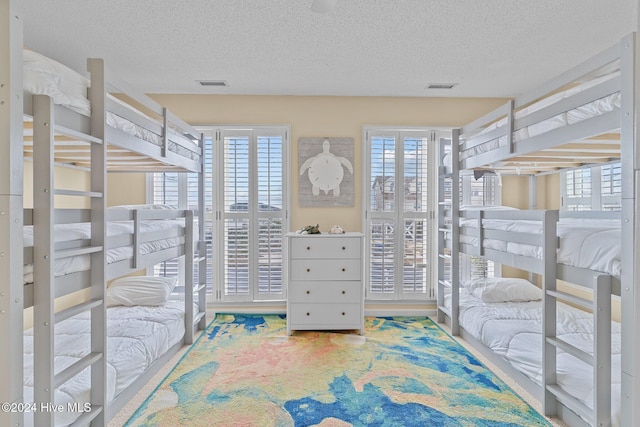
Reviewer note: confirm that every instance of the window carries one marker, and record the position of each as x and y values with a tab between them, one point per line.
398	199
181	190
483	191
611	187
577	189
252	193
592	188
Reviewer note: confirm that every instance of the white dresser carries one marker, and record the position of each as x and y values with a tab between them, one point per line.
326	290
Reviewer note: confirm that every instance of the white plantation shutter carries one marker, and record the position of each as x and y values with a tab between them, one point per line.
270	182
382	181
577	189
166	191
236	215
254	177
611	187
592	188
398	224
416	236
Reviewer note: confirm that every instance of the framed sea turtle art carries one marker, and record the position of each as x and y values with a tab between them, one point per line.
325	169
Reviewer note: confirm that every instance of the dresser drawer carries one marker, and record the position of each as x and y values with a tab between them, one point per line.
325	269
325	292
342	316
325	247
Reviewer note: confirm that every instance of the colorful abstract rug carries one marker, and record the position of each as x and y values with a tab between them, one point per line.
245	371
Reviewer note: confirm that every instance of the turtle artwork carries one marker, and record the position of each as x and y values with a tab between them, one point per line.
326	170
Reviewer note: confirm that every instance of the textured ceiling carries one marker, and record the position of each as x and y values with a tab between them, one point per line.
491	48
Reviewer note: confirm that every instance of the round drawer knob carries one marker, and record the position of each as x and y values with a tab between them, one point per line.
307	314
308	248
308	270
308	292
343	313
344	269
344	248
344	292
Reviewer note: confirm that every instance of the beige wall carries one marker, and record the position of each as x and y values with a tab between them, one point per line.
126	189
65	178
515	191
326	117
549	191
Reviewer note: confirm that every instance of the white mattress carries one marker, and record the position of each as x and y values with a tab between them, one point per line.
512	331
136	337
44	76
77	231
584	243
586	111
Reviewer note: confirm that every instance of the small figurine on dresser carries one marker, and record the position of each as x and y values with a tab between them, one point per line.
309	229
336	229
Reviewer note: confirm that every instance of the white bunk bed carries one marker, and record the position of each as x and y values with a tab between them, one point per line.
585	116
68	250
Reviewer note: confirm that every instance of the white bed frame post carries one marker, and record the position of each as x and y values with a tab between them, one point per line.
202	244
188	278
452	207
98	238
602	349
630	296
43	257
11	205
549	320
455	231
444	208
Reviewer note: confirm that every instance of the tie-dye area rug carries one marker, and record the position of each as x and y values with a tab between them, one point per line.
405	371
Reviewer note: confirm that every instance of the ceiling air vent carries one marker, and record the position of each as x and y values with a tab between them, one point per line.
216	83
441	85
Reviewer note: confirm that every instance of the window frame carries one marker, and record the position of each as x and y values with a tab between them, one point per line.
596	200
255	131
427	214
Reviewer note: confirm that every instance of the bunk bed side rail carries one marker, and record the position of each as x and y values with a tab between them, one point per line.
488	118
482	234
591	214
594	63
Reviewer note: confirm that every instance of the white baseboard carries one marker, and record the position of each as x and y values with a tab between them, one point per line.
370	309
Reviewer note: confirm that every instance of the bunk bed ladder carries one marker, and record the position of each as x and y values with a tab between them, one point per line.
549	318
46	380
600	359
448	205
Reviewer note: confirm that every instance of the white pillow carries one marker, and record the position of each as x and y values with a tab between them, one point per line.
140	290
45	76
504	289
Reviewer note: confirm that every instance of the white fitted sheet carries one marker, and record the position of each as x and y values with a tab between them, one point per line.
136	337
79	231
512	330
585	243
